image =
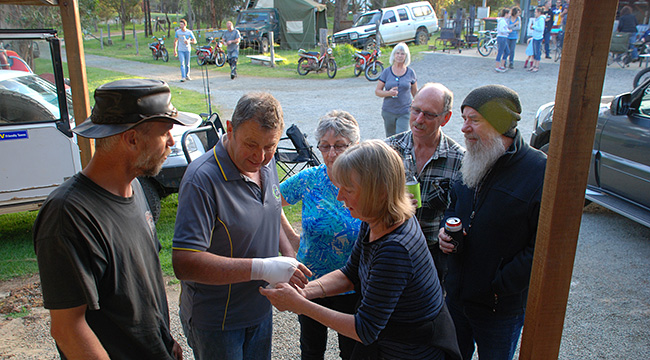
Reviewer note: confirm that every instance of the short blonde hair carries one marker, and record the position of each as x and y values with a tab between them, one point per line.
380	173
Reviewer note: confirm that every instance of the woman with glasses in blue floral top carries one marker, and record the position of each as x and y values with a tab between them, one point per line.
328	229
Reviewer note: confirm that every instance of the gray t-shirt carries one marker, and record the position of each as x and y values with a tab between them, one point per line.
221	212
182	35
98	249
233	49
399	105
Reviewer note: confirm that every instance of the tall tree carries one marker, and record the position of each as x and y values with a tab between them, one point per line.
340	13
126	11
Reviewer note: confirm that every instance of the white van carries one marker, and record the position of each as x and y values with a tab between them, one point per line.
412	22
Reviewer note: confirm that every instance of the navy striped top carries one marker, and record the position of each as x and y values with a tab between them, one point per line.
398	282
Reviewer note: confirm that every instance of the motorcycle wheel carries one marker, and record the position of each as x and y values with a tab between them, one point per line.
331	68
358	68
374	70
200	58
165	55
220	60
154	54
303	66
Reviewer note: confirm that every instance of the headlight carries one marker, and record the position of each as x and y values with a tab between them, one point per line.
177	149
251	33
329	51
354	35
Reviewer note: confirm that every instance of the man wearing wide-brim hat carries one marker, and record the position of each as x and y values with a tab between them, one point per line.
95	238
497	200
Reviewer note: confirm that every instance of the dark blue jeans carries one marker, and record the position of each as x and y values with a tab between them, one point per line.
251	343
313	335
512	45
503	50
495	336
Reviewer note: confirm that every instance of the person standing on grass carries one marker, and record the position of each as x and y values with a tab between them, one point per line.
502	41
182	46
95	237
514	24
538	34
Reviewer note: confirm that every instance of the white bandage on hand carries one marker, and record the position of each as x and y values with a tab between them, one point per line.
274	270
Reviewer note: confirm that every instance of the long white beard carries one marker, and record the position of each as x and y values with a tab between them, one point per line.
479	158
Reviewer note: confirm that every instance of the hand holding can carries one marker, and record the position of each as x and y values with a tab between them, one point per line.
454	228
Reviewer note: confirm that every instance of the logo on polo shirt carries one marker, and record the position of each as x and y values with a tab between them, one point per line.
276	192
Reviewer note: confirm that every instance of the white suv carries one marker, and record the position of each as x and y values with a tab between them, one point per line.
412	22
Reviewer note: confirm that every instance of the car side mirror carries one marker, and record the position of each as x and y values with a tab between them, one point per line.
621	104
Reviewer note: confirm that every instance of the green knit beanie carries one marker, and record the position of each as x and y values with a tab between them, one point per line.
499	106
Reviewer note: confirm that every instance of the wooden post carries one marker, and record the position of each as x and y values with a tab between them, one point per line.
272	41
580	83
322	40
101	38
77	69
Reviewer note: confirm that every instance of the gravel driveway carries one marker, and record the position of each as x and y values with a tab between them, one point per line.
608	314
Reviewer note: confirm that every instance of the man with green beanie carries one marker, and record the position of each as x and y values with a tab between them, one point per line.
497	200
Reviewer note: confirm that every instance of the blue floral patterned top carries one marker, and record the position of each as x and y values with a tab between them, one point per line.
328	229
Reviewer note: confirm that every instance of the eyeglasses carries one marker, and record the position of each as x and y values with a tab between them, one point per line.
338	148
427	115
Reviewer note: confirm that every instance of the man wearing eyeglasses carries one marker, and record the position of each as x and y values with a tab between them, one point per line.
437	159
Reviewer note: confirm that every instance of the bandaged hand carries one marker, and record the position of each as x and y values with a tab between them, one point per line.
274	270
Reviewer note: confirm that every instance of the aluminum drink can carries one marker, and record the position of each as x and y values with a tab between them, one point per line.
454	228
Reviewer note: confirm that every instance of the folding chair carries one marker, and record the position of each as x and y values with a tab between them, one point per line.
292	160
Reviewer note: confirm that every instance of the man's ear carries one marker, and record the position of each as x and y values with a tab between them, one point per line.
446	119
130	137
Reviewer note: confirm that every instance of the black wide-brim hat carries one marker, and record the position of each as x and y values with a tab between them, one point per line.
123	104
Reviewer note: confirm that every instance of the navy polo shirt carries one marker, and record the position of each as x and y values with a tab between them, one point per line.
225	213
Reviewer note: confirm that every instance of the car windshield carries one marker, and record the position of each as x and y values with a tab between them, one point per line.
368	19
253	17
35	88
27	90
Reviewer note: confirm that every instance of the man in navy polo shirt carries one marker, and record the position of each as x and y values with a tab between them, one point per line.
228	235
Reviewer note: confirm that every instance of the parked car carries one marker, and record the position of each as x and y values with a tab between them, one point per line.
254	25
412	22
619	171
38	150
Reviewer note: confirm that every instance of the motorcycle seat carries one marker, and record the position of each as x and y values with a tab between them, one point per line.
313	53
364	53
206	47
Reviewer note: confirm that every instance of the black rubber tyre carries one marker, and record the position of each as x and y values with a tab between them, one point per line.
641	77
370	45
557	54
220	60
483	49
421	37
264	45
302	63
374	70
200	58
331	68
165	55
358	68
153	197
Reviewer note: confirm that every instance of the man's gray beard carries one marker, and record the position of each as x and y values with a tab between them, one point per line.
479	158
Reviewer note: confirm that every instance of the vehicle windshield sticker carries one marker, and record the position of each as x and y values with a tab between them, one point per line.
13	135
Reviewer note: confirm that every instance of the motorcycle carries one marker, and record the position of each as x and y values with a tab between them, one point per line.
212	53
368	62
158	49
313	61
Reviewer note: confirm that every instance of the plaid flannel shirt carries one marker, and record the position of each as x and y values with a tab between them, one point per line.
436	178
